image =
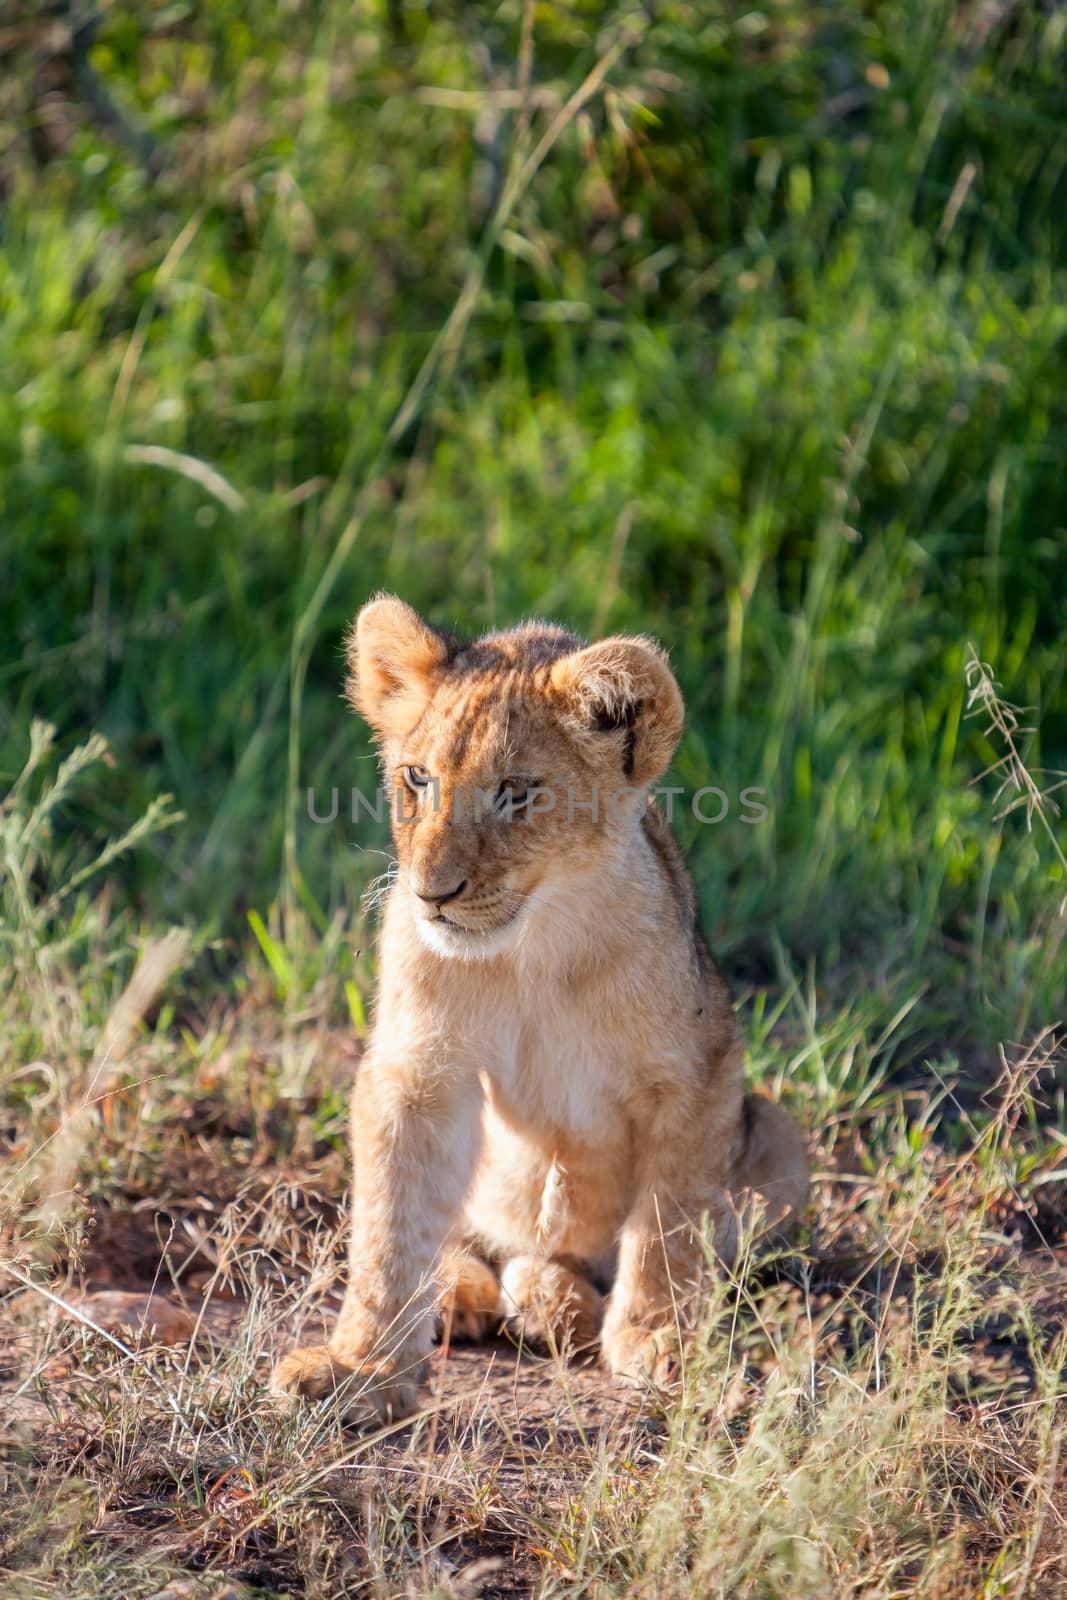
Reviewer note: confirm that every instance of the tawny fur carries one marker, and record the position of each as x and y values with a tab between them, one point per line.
555	1074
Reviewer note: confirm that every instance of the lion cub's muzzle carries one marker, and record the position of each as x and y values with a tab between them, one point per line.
463	909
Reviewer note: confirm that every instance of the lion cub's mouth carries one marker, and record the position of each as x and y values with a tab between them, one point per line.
472	941
441	921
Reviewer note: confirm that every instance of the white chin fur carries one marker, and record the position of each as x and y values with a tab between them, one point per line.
455	944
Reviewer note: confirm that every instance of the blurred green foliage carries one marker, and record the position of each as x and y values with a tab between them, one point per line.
768	361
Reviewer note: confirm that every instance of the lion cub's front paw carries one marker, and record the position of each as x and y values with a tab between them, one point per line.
308	1374
642	1355
376	1389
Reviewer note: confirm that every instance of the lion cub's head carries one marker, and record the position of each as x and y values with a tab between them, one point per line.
516	765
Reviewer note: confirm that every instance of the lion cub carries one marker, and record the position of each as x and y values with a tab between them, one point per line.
554	1083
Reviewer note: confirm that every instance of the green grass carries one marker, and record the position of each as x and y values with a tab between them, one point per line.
762	387
767	359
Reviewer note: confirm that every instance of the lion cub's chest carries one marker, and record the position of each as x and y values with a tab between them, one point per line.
559	1073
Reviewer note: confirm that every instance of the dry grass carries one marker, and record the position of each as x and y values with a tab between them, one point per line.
878	1415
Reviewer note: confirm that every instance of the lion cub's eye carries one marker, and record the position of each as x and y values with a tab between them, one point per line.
512	795
416	777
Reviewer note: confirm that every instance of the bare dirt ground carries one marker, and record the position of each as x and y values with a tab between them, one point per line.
204	1290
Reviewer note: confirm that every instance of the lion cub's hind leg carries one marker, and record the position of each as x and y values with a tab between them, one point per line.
551	1304
772	1174
468	1301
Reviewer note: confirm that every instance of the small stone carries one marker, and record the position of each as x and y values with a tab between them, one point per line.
134	1318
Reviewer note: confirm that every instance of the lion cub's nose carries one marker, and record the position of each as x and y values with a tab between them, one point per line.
442	899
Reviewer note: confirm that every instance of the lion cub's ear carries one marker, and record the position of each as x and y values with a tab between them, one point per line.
394	662
623	690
